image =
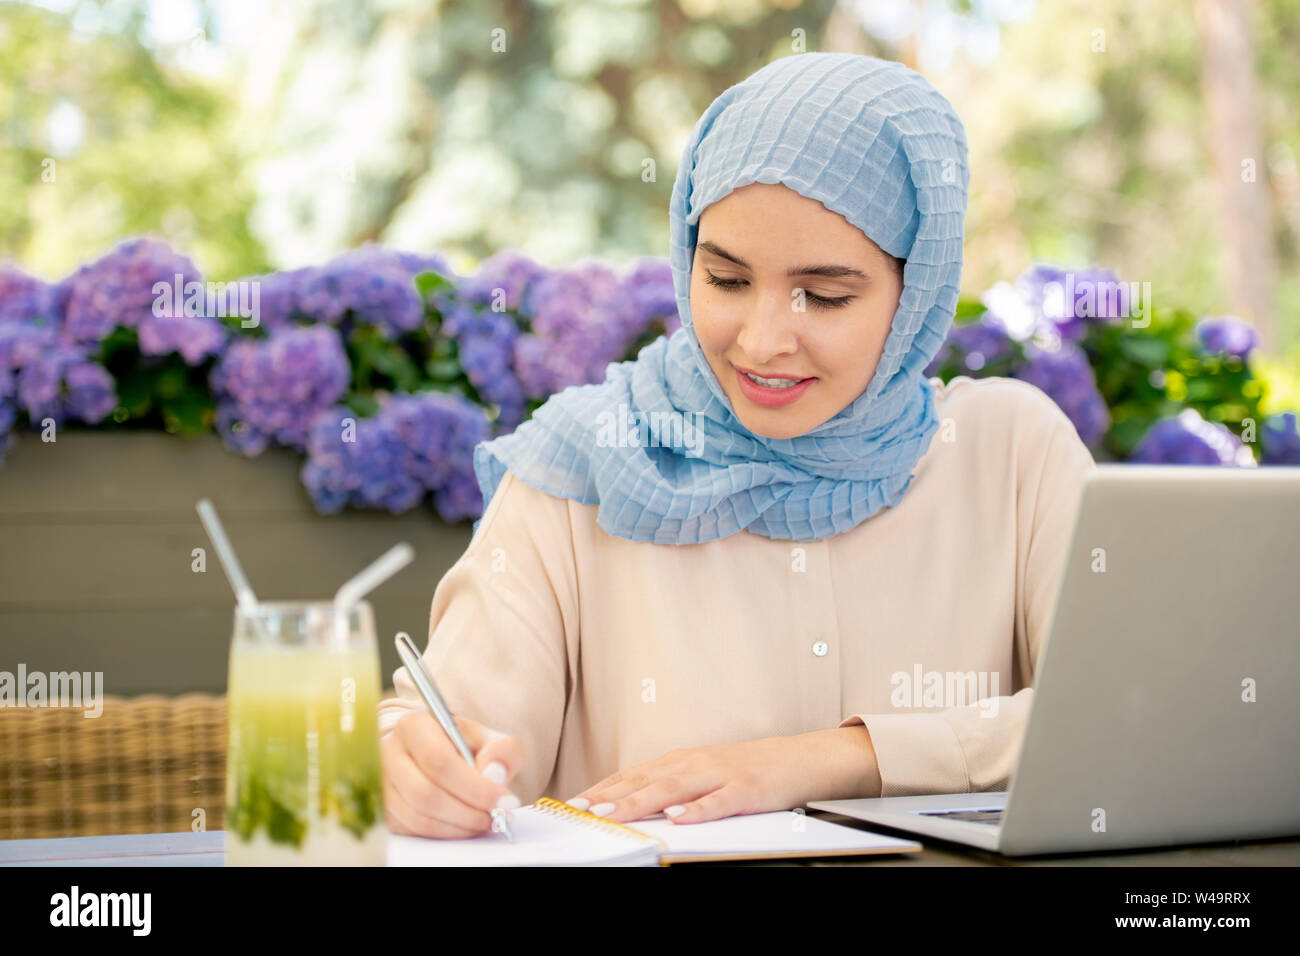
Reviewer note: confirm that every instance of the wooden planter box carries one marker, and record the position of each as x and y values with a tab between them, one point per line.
97	532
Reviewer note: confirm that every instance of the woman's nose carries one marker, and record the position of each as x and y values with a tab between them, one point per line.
769	330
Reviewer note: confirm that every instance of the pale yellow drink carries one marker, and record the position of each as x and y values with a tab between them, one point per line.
303	782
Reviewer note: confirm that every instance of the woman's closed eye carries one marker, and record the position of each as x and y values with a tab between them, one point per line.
820	302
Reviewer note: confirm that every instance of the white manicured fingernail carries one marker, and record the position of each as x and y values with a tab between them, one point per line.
495	771
579	803
674	811
601	809
507	801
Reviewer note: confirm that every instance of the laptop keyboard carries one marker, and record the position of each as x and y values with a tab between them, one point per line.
993	816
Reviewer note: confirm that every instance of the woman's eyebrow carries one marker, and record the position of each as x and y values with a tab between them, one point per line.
827	271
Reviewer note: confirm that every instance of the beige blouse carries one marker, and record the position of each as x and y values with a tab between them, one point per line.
925	622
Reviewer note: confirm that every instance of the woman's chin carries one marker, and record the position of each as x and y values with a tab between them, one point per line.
777	423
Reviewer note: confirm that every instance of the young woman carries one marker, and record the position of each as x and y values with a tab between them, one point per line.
808	572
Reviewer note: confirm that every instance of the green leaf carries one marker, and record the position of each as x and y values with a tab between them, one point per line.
281	824
1201	390
171	382
135	392
968	310
120	343
363	403
358	804
190	413
1125	435
1145	350
256	808
427	283
397	365
443	370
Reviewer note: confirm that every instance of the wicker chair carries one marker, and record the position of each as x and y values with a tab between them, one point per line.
145	765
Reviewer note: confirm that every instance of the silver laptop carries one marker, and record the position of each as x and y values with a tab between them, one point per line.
1167	702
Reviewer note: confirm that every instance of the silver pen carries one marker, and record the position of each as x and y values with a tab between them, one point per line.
429	691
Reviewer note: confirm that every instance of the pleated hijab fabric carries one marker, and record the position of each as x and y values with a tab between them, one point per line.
871	140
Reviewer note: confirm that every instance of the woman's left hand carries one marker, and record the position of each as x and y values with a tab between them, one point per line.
707	783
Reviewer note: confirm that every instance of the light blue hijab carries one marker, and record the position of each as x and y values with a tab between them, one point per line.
871	140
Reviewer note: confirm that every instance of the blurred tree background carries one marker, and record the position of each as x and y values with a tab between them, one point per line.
273	136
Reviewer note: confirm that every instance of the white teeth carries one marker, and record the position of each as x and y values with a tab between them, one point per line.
773	382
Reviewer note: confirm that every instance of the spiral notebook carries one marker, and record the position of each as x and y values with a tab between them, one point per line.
552	833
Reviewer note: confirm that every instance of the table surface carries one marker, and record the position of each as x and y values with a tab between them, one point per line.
206	849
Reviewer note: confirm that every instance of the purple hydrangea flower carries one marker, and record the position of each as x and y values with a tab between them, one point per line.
1188	439
1226	334
376	283
40	384
118	289
480	316
1281	444
530	360
373	283
1066	377
580	320
57	309
417	443
195	337
647	294
974	345
277	297
503	283
62	382
7	417
22	342
417	262
28	334
1072	299
236	434
23	298
276	387
92	393
460	497
486	348
320	292
441	432
572	341
361	462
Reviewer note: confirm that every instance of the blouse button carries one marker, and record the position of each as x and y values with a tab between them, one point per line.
820	648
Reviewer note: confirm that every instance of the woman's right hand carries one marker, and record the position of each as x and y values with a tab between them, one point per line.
430	790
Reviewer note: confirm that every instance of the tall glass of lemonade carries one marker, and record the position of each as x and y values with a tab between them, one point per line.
303	781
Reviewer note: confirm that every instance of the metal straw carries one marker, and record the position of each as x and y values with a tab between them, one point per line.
234	573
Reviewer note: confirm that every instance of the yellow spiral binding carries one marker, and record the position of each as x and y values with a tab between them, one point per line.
583	818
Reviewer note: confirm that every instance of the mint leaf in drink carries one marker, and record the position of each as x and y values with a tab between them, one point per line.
256	808
357	805
249	806
281	824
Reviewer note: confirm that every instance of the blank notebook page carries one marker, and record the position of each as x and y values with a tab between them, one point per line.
571	838
777	834
540	839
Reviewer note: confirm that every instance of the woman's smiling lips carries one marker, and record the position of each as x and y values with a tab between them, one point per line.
771	397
